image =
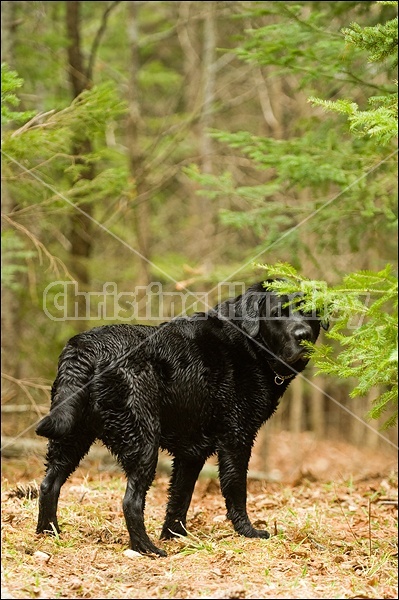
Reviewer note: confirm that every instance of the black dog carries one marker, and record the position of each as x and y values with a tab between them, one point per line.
194	386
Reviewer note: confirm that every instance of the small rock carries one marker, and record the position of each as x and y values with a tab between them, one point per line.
42	556
75	583
220	518
132	554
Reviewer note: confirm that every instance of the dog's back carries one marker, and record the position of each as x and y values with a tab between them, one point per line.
77	367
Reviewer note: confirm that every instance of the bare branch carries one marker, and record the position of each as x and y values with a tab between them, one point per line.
32	122
97	39
40	247
24	387
22	408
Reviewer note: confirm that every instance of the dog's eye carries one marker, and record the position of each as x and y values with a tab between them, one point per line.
300	309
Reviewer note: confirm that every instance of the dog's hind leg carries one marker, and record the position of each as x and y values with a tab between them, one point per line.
184	476
133	437
63	457
140	467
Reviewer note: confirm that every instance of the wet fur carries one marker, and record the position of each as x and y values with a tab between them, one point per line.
194	386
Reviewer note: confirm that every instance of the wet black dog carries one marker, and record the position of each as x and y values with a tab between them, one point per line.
193	386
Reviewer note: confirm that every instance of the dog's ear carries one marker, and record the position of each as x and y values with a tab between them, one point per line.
250	314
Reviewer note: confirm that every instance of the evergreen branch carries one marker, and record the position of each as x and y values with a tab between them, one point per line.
307	25
381	40
356	79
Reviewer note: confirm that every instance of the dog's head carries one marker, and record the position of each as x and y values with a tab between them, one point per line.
278	324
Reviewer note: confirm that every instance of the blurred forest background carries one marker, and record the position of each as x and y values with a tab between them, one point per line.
175	142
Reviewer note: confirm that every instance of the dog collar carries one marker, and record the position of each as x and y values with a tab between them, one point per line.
279	379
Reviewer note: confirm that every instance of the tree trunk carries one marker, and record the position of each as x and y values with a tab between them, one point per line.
187	34
206	224
209	75
7	32
76	70
81	226
358	407
10	322
141	204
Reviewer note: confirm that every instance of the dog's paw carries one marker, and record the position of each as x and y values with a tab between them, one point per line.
48	528
261	533
251	532
157	552
148	548
169	532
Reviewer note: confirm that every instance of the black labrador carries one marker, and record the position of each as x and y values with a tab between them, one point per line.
193	386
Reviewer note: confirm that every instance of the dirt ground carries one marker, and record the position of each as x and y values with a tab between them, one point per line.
331	509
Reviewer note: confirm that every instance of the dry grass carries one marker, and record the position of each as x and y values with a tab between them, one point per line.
333	538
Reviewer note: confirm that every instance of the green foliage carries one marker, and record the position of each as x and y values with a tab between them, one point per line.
380	41
14	257
363	307
363	314
43	178
381	121
14	253
370	352
47	147
296	38
10	82
306	187
317	164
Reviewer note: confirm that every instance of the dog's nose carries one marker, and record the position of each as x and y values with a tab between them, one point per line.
302	334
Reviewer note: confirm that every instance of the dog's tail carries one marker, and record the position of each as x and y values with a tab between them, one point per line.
70	392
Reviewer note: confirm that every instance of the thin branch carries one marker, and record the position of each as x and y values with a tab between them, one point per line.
28	382
158	37
308	25
22	384
40	247
369	527
22	408
264	99
347	521
33	121
352	78
72	158
97	39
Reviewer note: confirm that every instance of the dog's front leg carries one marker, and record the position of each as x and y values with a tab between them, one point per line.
233	466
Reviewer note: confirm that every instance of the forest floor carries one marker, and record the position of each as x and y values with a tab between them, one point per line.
331	509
